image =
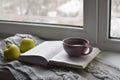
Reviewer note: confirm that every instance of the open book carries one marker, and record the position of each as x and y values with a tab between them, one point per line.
52	53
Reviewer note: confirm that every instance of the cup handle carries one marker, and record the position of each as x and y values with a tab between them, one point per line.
90	49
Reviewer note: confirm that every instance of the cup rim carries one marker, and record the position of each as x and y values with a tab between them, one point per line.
74	38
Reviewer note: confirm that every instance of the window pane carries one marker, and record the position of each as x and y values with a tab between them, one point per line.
115	19
67	12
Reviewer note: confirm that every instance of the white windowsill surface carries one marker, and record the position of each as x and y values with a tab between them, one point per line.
110	57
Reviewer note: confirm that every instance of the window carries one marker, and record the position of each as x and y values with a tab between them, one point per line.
115	19
98	25
108	25
86	28
66	12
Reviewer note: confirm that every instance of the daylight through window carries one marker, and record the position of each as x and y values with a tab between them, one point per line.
115	19
67	12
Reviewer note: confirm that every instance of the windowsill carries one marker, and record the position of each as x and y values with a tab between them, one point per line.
105	56
110	57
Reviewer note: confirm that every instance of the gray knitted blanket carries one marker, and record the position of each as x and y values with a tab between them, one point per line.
97	70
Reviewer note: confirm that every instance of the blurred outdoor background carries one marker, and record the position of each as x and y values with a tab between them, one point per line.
115	19
68	12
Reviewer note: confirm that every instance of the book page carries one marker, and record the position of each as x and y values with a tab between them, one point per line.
47	50
63	58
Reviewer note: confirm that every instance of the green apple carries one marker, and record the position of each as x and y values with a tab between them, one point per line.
11	52
26	44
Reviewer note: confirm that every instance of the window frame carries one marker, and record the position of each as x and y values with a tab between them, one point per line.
56	31
104	42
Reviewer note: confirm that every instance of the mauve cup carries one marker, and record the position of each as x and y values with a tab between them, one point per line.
76	46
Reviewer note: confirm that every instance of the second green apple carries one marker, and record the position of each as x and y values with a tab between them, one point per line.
26	44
